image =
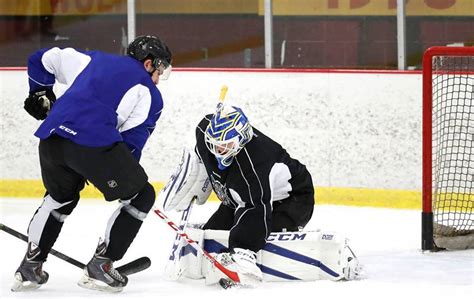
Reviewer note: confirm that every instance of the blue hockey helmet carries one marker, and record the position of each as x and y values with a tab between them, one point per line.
227	133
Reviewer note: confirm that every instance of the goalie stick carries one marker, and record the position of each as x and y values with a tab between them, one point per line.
132	267
233	276
180	234
172	268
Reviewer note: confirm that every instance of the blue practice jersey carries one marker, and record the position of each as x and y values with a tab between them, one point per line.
109	98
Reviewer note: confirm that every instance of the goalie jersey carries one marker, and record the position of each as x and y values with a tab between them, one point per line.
261	177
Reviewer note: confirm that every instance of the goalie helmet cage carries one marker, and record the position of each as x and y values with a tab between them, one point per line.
448	155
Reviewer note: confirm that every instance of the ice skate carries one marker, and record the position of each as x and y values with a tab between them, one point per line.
100	274
30	274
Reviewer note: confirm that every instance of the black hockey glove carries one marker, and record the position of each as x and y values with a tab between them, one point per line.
38	103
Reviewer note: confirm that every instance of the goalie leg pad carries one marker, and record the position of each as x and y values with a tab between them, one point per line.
352	269
301	256
188	262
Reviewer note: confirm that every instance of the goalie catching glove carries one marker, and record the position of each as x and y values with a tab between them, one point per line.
189	181
39	103
240	260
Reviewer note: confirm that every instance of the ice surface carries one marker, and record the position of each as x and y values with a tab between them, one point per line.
387	242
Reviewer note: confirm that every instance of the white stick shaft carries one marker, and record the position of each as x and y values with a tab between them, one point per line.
174	254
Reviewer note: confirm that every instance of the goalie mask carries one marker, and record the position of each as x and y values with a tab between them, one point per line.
151	47
227	133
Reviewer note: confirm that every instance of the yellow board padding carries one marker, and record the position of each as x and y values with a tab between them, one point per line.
378	198
362	197
35	189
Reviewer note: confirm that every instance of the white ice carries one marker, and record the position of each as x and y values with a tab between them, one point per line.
387	242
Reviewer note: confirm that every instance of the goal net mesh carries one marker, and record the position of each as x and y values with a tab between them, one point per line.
452	144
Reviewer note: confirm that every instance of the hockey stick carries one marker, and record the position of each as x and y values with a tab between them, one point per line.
234	276
182	224
135	266
172	270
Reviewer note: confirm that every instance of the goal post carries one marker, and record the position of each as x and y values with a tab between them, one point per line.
448	148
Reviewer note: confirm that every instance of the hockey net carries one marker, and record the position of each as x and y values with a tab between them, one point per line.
448	142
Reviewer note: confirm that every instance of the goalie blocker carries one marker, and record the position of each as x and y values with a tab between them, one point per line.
287	256
189	181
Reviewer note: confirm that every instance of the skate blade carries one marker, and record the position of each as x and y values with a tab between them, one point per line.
97	285
21	286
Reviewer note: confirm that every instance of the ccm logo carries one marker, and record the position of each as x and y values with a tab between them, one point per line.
327	237
286	237
66	129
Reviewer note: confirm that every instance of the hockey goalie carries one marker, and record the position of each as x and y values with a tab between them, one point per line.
267	198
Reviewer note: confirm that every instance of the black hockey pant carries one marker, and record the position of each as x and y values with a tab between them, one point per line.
290	214
65	167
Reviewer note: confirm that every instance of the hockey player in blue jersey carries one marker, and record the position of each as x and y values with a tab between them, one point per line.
96	132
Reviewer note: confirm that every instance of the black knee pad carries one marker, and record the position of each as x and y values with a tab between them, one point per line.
145	199
67	209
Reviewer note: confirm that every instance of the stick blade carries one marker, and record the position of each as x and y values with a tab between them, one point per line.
135	266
